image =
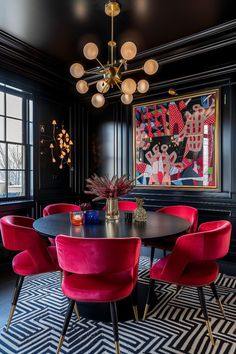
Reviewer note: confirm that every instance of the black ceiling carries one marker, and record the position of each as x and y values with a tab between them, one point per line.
60	28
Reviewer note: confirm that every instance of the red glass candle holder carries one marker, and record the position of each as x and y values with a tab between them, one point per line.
77	218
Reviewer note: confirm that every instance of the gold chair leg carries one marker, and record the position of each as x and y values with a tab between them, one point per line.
135	310
221	308
14	293
208	324
145	311
61	340
77	311
10	316
117	346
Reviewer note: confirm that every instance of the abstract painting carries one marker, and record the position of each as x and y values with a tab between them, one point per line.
176	142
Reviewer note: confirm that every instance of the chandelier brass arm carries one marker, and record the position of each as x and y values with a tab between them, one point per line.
94	72
111	74
132	71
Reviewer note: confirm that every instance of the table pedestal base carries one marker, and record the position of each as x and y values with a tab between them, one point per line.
101	311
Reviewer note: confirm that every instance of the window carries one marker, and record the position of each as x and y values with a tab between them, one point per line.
16	143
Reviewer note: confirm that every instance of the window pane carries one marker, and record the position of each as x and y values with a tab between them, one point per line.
31	133
2	128
14	106
31	111
14	130
31	183
2	184
16	157
1	103
2	155
31	158
16	187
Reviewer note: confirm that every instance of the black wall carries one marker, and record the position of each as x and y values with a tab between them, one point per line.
24	67
199	62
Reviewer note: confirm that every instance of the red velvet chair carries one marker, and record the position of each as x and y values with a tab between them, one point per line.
125	205
98	270
193	262
35	256
183	211
59	208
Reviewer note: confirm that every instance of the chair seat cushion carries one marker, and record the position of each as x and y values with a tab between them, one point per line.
97	288
24	265
195	274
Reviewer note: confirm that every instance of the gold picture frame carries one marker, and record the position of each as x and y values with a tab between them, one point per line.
176	142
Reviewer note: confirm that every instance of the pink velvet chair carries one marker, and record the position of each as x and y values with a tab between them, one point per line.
193	262
60	208
183	211
125	205
57	209
98	270
35	256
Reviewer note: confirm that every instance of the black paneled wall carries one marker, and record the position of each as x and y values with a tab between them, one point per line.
203	62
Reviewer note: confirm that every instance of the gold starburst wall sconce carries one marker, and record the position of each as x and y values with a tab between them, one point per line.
60	144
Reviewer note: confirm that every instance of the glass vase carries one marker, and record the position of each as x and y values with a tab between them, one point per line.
112	210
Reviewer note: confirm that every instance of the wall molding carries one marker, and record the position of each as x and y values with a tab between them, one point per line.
220	31
23	58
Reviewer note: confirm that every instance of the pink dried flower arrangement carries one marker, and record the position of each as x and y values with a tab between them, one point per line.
105	188
85	206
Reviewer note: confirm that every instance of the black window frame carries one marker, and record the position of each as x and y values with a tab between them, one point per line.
27	142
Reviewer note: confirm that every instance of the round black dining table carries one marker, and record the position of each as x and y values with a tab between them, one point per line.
157	226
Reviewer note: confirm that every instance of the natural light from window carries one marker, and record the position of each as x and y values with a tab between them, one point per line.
16	143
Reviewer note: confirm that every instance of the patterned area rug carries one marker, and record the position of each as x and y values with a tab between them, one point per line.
174	325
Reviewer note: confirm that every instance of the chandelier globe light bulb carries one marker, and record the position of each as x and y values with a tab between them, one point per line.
128	50
102	86
82	86
90	51
150	67
126	98
143	86
98	100
128	86
77	70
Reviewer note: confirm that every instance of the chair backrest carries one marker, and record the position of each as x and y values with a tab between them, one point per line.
125	205
207	245
98	255
17	232
221	231
183	211
60	208
18	235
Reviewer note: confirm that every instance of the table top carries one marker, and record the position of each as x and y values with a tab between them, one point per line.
158	225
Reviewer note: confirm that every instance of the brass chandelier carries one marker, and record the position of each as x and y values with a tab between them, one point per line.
113	73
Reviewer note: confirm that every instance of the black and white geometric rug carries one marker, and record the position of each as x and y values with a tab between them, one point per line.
174	326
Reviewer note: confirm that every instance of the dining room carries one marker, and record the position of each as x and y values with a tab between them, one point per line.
117	177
